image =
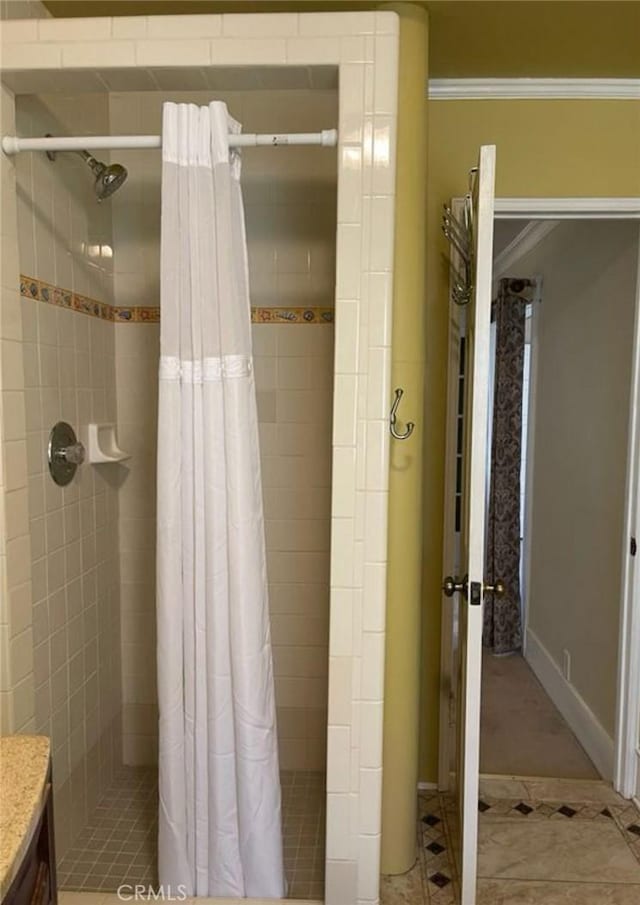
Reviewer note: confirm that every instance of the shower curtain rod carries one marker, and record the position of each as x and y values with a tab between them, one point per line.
13	144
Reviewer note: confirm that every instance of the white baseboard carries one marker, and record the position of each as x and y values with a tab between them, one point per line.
589	731
427	786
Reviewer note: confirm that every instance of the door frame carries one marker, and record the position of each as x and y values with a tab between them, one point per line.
626	779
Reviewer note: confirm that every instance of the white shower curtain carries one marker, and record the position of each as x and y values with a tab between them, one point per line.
220	828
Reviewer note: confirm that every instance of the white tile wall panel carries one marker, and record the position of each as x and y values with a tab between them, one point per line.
271	25
23	30
174	27
262	51
136	26
330	25
369	865
190	52
68	30
41	56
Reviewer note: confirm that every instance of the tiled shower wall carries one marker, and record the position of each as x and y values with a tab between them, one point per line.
290	204
65	239
16	657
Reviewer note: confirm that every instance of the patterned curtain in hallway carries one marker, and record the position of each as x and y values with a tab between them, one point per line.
502	630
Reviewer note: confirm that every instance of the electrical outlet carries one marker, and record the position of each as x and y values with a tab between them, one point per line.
566	664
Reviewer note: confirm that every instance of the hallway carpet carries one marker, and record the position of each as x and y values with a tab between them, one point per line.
521	731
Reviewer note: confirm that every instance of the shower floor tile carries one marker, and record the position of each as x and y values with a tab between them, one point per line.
303	823
118	845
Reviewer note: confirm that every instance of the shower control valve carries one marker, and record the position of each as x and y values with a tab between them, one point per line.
65	453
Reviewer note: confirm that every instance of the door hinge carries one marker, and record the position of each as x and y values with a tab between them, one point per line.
633	546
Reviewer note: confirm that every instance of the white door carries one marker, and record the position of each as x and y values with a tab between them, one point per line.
468	586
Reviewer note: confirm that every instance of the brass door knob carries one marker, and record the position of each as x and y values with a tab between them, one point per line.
451	585
498	588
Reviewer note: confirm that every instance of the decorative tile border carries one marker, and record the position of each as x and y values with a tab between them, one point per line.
137	315
547	809
64	298
436	835
292	315
625	816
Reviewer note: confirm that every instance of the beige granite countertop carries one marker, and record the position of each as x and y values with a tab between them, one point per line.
24	762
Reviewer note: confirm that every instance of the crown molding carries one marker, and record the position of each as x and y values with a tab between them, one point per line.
530	89
568	208
529	236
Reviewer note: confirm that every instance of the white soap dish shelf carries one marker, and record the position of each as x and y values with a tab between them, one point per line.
102	445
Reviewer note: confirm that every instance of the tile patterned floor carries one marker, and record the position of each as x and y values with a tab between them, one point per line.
303	823
552	848
118	845
544	842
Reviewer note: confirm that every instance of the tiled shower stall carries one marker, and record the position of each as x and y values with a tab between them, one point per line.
93	543
80	331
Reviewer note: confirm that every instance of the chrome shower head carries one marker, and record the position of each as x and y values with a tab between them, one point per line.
109	177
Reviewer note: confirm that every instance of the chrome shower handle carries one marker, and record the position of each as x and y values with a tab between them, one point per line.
399	393
73	454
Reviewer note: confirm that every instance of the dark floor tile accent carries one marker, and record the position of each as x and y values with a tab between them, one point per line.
440	880
566	811
523	808
435	848
431	820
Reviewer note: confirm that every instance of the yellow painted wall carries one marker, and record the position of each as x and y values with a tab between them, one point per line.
402	668
469	38
544	148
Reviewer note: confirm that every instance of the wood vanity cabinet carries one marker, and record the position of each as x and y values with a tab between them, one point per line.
35	881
